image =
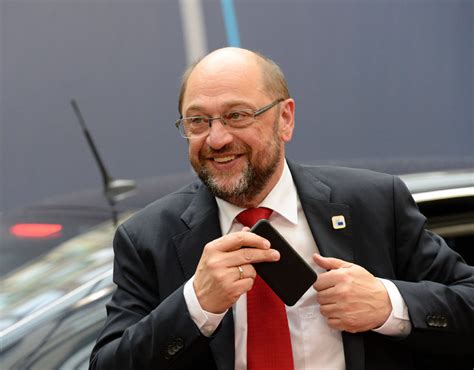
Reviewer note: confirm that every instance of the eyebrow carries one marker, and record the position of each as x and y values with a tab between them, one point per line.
226	106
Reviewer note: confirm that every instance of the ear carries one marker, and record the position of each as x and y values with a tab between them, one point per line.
287	119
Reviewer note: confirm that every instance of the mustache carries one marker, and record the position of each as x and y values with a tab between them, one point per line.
226	149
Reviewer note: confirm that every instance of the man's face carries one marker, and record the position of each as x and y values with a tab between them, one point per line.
238	165
238	183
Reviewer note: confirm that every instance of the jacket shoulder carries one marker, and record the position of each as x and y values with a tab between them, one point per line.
351	185
348	177
167	208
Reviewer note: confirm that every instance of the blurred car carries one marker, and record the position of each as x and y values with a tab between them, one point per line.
53	307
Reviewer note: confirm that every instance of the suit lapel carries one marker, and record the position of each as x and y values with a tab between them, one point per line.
315	198
202	221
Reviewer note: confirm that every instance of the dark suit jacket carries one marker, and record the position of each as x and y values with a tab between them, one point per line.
157	251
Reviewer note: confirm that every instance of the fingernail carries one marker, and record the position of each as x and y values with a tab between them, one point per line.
275	255
267	244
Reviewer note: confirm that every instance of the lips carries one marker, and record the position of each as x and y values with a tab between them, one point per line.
225	159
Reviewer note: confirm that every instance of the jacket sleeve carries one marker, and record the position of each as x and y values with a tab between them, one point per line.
144	330
436	284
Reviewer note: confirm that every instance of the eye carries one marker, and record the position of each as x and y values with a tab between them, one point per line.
237	116
197	120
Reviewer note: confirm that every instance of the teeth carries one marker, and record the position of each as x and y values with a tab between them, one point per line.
224	159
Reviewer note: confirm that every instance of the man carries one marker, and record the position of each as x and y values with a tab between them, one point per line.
389	295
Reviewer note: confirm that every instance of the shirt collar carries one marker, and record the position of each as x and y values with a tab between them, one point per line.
282	199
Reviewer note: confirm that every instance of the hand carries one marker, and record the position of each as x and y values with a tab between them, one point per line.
218	282
350	297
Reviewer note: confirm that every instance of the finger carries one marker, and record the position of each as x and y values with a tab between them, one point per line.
241	272
327	296
330	263
245	272
246	256
343	325
237	240
325	281
334	278
329	310
243	286
335	323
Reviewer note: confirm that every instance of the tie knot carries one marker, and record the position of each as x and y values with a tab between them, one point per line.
250	216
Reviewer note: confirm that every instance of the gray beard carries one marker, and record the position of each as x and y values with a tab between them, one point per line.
252	182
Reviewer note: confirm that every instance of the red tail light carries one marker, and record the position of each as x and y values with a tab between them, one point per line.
36	230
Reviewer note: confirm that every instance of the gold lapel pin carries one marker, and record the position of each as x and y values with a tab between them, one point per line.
338	222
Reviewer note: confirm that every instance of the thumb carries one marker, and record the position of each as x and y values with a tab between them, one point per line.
330	263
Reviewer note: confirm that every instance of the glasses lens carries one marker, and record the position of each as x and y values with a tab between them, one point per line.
239	118
194	126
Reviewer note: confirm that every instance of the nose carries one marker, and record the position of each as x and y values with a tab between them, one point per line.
219	136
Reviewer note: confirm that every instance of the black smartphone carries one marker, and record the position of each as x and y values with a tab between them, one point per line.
291	276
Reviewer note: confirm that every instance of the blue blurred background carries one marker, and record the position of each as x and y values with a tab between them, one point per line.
372	79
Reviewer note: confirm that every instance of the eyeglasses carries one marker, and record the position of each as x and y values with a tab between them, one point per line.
197	126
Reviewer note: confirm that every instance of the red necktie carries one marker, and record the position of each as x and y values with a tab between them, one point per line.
268	335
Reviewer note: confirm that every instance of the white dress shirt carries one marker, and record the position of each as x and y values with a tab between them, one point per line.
315	345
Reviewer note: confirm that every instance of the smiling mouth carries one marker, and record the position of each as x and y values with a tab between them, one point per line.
224	159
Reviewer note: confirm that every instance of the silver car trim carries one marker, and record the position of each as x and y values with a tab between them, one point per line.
444	194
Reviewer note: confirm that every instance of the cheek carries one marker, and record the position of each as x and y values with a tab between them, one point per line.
263	140
194	147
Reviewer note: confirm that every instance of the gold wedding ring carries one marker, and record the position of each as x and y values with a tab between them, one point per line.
241	272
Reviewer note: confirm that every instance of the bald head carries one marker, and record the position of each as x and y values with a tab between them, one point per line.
229	57
237	61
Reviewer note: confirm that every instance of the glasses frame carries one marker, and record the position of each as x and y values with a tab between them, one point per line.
254	114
